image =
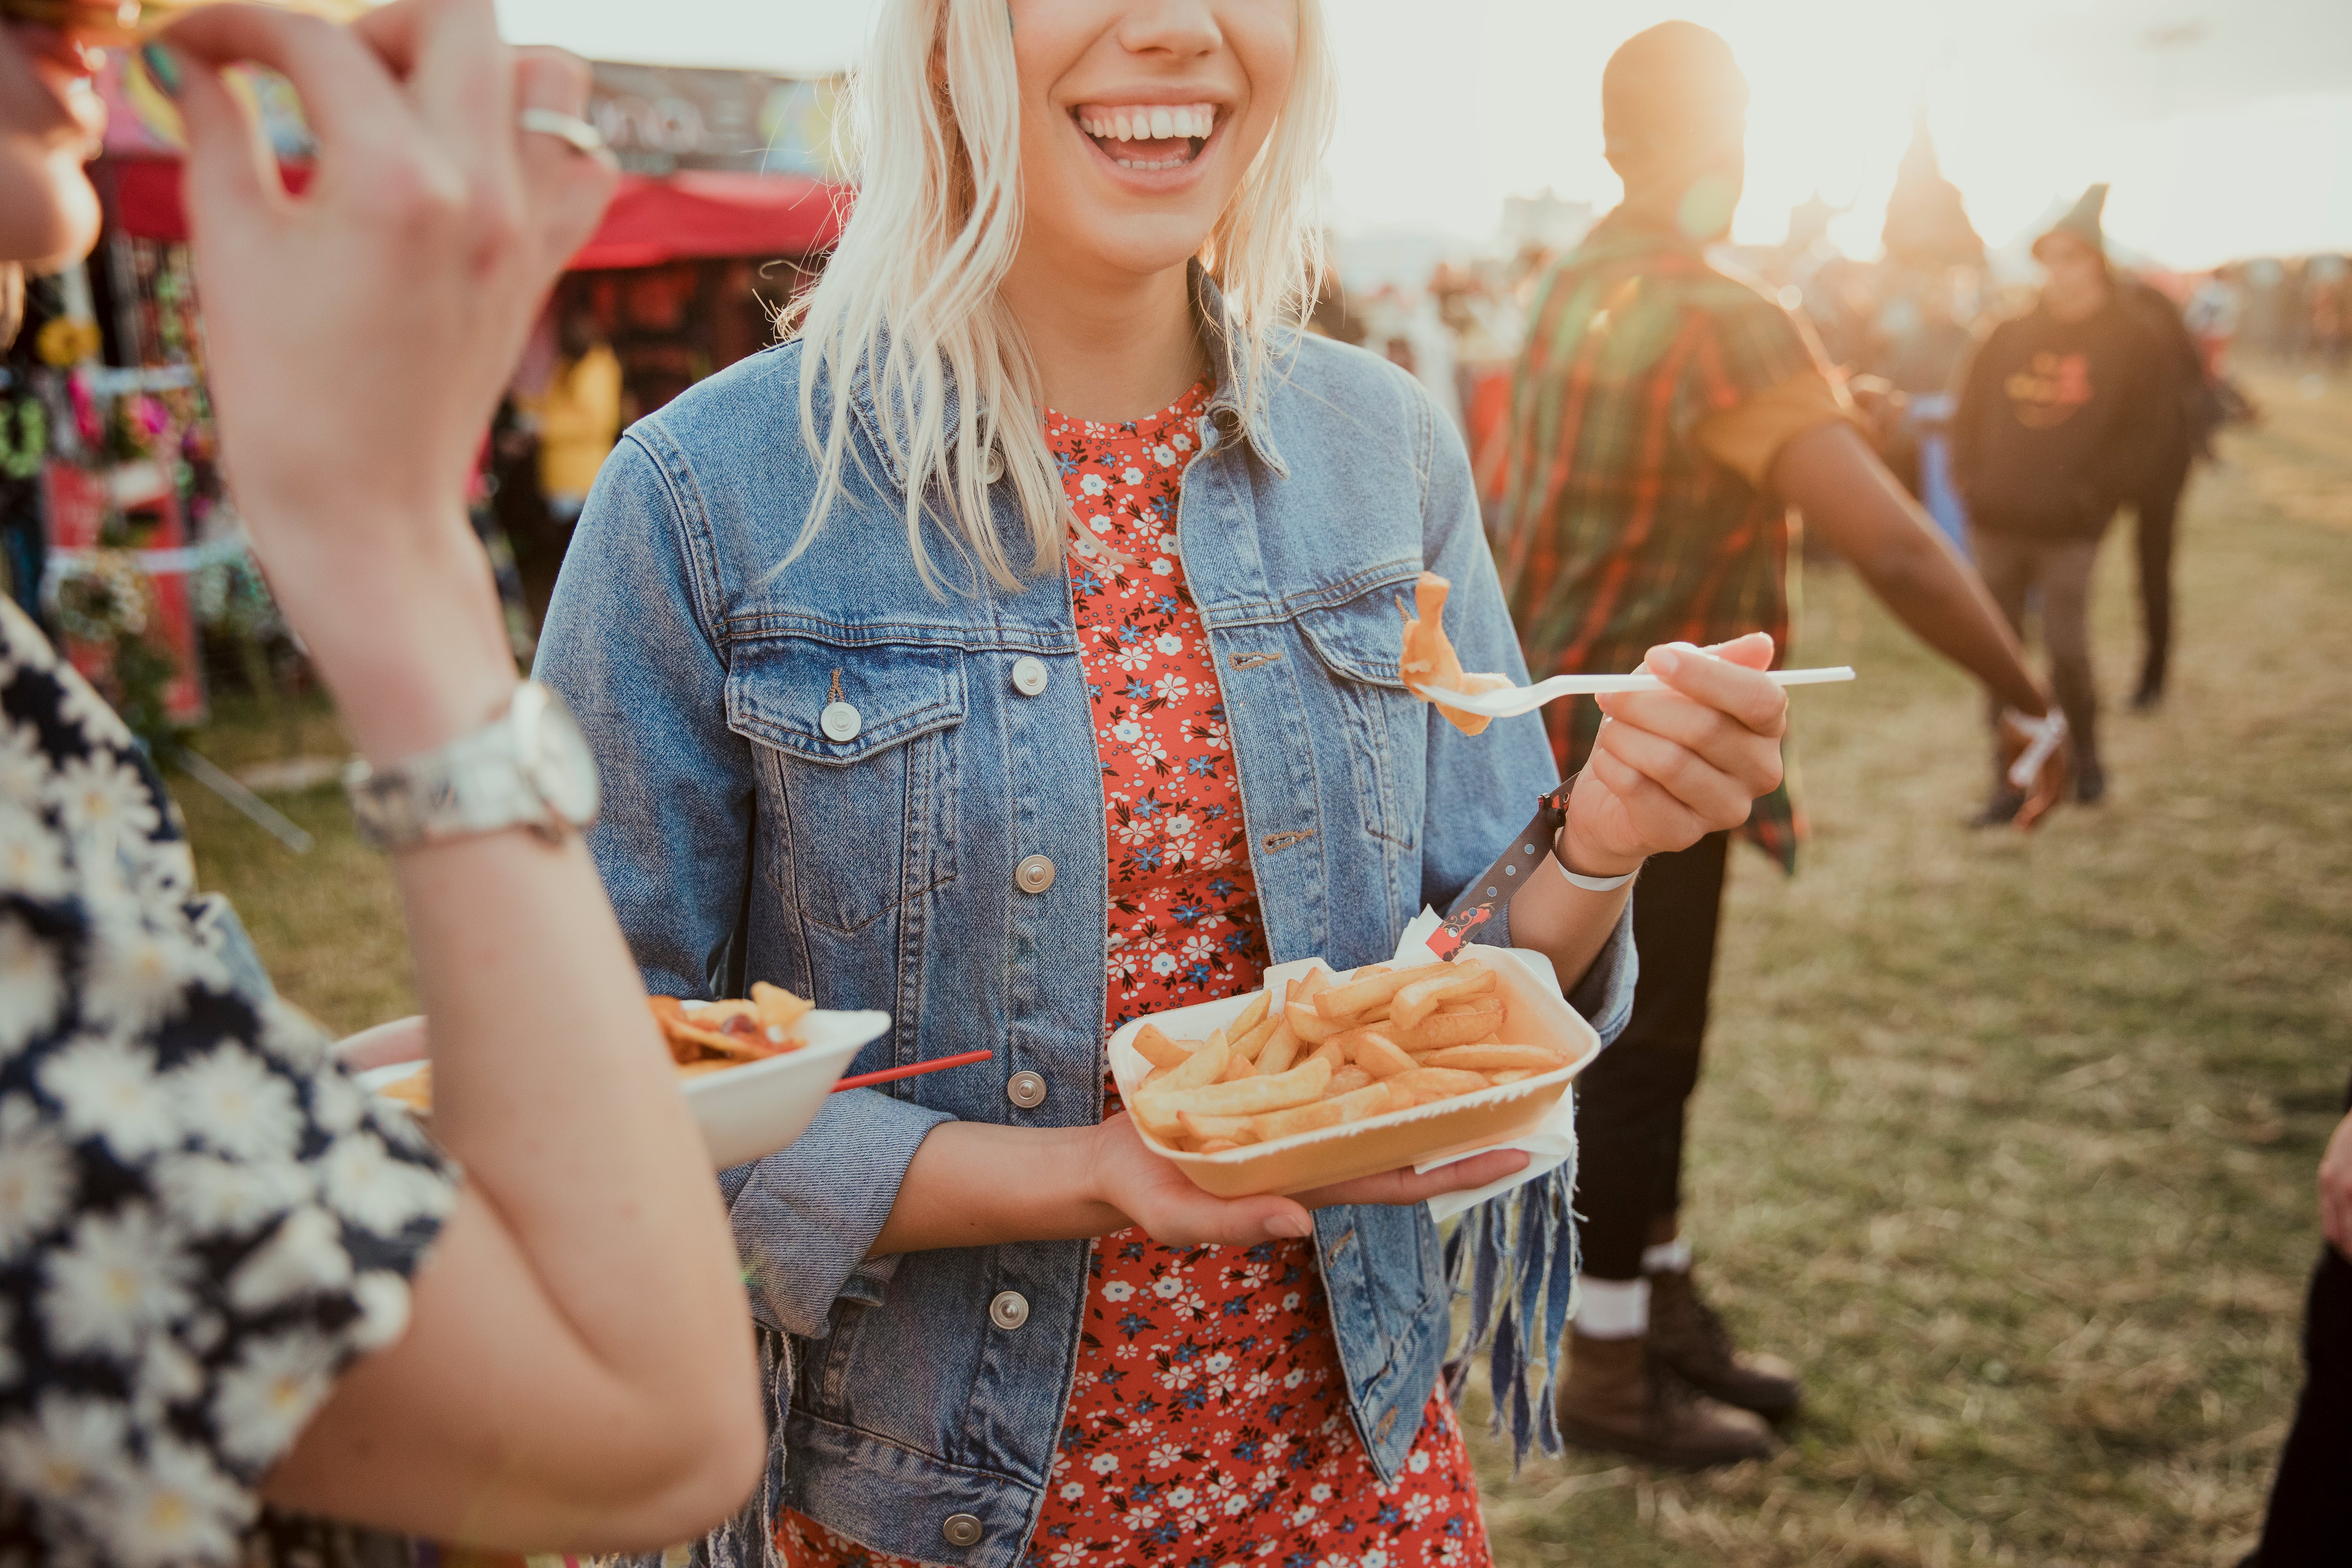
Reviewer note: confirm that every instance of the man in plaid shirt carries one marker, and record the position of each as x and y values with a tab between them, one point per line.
1666	416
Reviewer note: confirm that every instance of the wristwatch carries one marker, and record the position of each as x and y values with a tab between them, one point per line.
531	767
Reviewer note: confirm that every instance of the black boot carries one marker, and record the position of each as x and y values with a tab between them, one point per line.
1688	1337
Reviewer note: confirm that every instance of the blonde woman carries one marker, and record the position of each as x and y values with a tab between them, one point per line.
1016	650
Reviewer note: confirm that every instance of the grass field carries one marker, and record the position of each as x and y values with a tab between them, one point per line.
2007	1141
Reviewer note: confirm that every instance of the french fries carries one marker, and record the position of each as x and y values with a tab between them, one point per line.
1336	1049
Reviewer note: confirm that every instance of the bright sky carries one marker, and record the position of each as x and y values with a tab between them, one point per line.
2225	126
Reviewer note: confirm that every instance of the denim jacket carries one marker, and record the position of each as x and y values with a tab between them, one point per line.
744	840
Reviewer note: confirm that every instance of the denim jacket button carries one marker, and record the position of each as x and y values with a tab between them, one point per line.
961	1528
1025	1090
1034	874
1009	1310
1028	675
840	722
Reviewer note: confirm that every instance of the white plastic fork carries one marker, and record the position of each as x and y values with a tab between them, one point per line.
1513	701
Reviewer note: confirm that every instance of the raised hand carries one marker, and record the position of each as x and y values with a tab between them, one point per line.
361	334
1671	766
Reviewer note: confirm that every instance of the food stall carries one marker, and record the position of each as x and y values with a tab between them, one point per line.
113	524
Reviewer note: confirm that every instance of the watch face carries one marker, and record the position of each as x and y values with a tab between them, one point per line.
560	764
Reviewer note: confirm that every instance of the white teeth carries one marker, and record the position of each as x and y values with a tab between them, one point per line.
1125	130
1163	124
1153	121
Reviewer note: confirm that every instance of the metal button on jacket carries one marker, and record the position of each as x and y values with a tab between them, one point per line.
1009	1310
961	1528
1028	675
1025	1090
839	721
1034	874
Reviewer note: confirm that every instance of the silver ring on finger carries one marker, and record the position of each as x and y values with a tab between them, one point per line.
581	136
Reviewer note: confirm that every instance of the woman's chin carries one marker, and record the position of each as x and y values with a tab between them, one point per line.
48	212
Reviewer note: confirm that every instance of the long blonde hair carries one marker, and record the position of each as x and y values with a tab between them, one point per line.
909	297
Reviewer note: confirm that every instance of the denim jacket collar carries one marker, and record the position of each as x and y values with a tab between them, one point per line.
1226	412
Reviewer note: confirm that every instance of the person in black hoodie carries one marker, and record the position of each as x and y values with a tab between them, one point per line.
2178	427
2049	439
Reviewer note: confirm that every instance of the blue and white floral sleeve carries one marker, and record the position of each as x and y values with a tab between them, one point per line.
202	1220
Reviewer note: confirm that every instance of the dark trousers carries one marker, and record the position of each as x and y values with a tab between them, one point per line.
2310	1524
2014	565
1630	1103
2155	528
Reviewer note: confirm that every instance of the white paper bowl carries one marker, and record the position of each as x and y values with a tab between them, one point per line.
752	1110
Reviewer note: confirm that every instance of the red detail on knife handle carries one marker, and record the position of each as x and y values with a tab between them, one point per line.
915	1069
1505	877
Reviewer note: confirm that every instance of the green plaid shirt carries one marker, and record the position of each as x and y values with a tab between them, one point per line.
1618	531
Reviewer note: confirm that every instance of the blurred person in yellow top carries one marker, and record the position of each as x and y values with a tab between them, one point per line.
578	417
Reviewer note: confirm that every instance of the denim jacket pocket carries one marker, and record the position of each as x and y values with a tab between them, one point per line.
1360	643
857	755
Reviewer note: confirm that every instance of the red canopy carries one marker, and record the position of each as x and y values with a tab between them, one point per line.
690	213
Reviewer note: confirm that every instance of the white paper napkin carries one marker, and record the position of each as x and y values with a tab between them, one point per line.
1548	1145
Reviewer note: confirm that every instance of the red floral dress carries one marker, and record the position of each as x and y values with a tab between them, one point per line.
1208	1423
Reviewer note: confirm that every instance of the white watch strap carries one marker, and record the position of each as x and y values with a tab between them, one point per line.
474	785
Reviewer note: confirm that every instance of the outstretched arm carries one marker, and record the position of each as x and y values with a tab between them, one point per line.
1831	474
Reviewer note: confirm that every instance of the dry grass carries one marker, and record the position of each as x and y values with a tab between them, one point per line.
2007	1141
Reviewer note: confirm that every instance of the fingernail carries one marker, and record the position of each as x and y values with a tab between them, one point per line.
1664	661
162	67
1290	1226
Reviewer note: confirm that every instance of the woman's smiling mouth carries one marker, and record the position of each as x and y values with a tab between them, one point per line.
1148	137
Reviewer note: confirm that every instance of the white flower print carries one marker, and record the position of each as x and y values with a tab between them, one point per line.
1290	1299
371	1189
1171	688
117	1276
1374	1557
1178	1375
1179	826
32	860
1235	1506
1196	950
1417	1508
238	1105
1164	455
36	1176
1213	735
1134	658
1163	567
1165	1455
1163	964
1149	753
1302	1514
66	1444
1418	1463
31	989
1094	484
176	1506
305	1255
1167	1287
1103	1464
1169	643
208	1197
138	974
103	796
1127	732
264	1399
1117	1290
24	765
1141	1519
1181	441
80	705
1069	1554
383	1301
109	1088
1320	1492
1180	1497
1131	476
1294	1377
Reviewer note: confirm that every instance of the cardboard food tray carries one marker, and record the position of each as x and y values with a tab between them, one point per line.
1533	1014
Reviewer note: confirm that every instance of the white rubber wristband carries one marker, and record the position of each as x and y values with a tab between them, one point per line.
1590	884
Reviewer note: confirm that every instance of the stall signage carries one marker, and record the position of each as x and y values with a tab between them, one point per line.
661	119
